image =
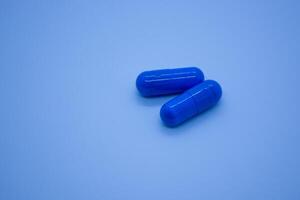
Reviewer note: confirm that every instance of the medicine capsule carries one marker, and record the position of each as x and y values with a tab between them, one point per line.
190	103
168	81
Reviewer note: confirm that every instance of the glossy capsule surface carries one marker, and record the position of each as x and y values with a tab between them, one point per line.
191	103
168	81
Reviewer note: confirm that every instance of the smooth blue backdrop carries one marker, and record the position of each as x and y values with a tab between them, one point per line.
72	125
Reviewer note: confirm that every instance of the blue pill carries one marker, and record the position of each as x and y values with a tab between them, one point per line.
168	81
190	103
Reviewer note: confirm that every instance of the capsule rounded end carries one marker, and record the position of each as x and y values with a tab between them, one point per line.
216	88
140	84
168	116
200	74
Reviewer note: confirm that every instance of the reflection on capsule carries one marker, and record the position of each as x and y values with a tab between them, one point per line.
190	103
168	81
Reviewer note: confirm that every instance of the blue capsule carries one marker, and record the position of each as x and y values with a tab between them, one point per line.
190	103
168	81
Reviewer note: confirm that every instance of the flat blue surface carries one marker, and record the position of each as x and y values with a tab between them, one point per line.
72	125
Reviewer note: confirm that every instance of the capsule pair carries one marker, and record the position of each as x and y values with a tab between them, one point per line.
197	95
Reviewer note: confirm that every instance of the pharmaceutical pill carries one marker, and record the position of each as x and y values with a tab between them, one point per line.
190	103
168	81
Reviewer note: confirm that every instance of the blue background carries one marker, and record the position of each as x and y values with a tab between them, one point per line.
74	127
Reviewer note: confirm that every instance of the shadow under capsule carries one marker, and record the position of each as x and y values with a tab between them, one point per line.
151	101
